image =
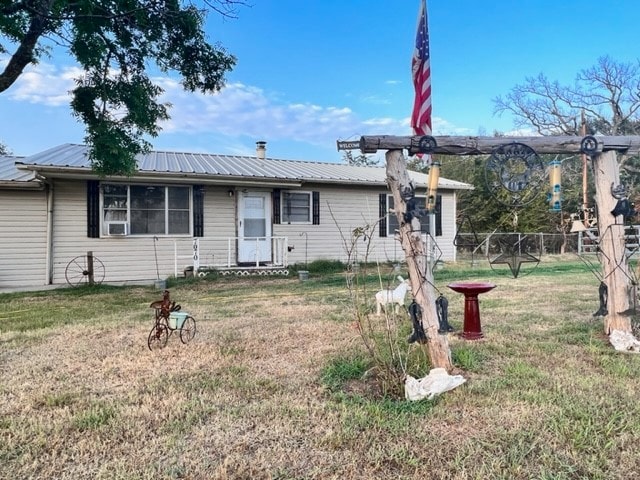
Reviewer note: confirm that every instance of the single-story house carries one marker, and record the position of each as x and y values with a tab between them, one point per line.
185	209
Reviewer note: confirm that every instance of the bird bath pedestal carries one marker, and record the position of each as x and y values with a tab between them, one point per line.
472	329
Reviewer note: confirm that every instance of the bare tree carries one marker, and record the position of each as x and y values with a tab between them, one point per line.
608	93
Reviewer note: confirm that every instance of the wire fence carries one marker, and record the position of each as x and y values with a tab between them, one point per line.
538	243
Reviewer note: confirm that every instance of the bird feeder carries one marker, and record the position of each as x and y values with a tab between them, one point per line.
432	186
555	180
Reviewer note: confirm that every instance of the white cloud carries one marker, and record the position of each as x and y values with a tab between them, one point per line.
45	84
237	111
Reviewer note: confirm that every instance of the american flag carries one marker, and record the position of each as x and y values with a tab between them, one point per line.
421	72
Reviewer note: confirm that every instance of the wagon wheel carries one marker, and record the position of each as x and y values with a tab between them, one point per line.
78	272
158	337
188	330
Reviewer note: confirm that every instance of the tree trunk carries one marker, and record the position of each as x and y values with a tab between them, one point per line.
415	252
613	258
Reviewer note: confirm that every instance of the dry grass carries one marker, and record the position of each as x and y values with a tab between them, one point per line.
546	397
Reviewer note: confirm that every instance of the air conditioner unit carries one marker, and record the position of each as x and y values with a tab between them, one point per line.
117	228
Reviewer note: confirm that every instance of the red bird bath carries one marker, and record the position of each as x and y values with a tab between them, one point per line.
472	329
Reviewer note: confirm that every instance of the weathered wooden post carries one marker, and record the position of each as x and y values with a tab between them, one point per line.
415	252
615	268
90	267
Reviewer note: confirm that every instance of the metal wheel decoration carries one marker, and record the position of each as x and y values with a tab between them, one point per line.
425	144
188	330
84	270
589	145
514	174
158	336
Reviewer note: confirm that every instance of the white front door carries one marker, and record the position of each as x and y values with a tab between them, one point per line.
254	227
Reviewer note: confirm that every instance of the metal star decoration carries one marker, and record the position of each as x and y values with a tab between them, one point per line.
513	253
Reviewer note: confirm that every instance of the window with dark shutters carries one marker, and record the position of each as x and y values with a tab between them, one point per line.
392	224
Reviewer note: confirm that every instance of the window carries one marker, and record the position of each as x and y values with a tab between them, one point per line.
296	207
146	210
392	222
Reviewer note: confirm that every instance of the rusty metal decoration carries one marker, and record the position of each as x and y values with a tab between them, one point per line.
515	249
514	174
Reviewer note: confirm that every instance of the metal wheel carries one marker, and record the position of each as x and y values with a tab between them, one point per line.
158	337
188	330
79	271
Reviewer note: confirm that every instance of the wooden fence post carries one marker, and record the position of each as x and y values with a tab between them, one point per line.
416	256
613	258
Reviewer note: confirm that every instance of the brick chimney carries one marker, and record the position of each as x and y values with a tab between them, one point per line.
261	149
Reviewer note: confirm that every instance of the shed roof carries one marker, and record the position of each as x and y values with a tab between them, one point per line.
73	157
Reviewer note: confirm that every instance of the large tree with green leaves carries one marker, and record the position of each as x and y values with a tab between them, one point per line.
118	44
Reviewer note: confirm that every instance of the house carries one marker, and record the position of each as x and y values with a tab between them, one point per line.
186	209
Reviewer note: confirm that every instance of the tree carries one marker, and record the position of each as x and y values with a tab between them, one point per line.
115	41
608	93
4	150
359	160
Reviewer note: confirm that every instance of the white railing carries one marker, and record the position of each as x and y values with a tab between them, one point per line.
222	253
589	240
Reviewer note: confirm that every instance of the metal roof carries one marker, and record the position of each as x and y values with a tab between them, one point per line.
73	156
10	175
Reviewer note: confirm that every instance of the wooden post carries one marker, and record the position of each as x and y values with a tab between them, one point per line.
415	252
615	267
90	267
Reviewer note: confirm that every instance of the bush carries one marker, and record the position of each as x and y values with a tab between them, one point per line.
321	267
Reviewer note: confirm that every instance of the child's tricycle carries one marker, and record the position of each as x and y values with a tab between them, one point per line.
169	318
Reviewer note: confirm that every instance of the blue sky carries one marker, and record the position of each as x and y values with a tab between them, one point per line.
312	72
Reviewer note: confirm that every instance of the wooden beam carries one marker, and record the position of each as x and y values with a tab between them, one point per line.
455	145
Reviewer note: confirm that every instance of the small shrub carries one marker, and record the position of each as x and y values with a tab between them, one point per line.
325	267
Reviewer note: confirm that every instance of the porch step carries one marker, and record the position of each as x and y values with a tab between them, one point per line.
244	271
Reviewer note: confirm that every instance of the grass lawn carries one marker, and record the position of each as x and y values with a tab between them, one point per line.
273	386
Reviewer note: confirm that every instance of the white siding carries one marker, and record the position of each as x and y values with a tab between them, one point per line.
23	227
343	209
135	259
129	258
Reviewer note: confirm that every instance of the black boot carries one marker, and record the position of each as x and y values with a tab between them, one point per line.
442	309
418	334
603	294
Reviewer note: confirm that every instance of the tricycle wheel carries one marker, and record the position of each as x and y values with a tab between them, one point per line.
188	330
158	336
